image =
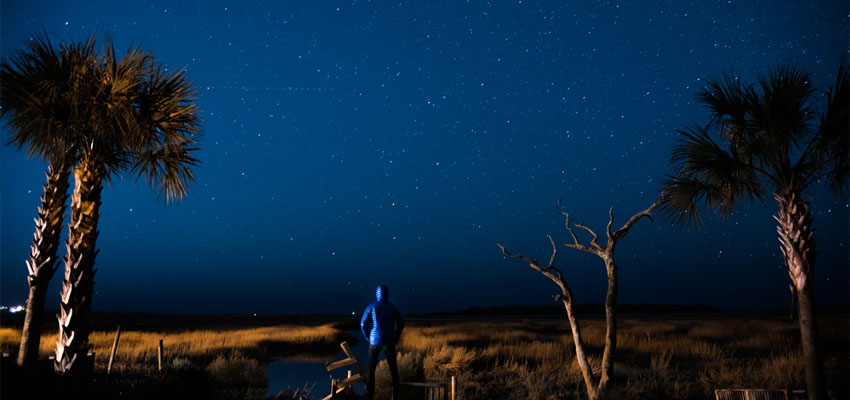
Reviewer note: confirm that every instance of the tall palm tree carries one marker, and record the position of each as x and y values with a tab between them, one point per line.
143	120
768	139
39	99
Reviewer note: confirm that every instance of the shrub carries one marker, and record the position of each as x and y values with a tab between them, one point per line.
237	378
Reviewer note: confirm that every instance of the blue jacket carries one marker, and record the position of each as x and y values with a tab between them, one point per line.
382	319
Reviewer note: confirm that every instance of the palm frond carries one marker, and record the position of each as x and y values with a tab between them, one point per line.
782	115
168	132
830	147
168	167
681	198
727	100
708	173
166	101
41	95
21	77
122	111
112	120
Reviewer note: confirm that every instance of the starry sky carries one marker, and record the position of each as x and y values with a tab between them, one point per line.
353	143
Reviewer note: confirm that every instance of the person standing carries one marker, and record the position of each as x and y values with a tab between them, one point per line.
384	323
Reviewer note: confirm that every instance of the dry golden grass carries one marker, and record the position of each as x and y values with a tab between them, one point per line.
684	359
679	359
139	349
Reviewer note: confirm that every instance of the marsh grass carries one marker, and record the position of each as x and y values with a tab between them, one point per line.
138	349
682	359
656	359
202	363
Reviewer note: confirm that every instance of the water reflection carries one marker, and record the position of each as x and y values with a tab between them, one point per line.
298	371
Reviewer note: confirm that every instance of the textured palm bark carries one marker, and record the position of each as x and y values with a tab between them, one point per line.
42	262
796	238
811	351
78	285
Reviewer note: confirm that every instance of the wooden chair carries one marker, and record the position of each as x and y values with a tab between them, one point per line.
338	386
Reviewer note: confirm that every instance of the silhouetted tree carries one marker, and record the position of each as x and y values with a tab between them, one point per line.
598	389
762	140
40	96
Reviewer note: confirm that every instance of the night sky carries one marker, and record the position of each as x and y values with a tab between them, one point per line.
348	144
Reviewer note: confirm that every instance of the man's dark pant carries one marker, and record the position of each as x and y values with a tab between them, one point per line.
389	352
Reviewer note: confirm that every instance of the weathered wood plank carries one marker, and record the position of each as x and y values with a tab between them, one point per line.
339	364
114	349
350	381
335	392
159	357
347	350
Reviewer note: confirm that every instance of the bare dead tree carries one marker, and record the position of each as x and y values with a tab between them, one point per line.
606	253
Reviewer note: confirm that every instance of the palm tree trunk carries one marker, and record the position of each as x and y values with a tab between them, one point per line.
796	238
42	260
610	326
78	285
811	351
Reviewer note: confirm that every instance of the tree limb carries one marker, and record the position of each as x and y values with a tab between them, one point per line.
577	245
595	240
554	253
551	272
620	233
566	296
531	262
551	266
558	279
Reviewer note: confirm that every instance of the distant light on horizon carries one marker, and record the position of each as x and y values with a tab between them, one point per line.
12	309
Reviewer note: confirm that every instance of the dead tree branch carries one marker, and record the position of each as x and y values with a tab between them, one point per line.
576	244
620	233
566	297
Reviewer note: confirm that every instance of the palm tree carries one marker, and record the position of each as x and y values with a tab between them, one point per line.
39	97
139	119
764	139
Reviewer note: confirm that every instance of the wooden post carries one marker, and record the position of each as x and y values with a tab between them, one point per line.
89	364
159	357
454	386
346	349
114	349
